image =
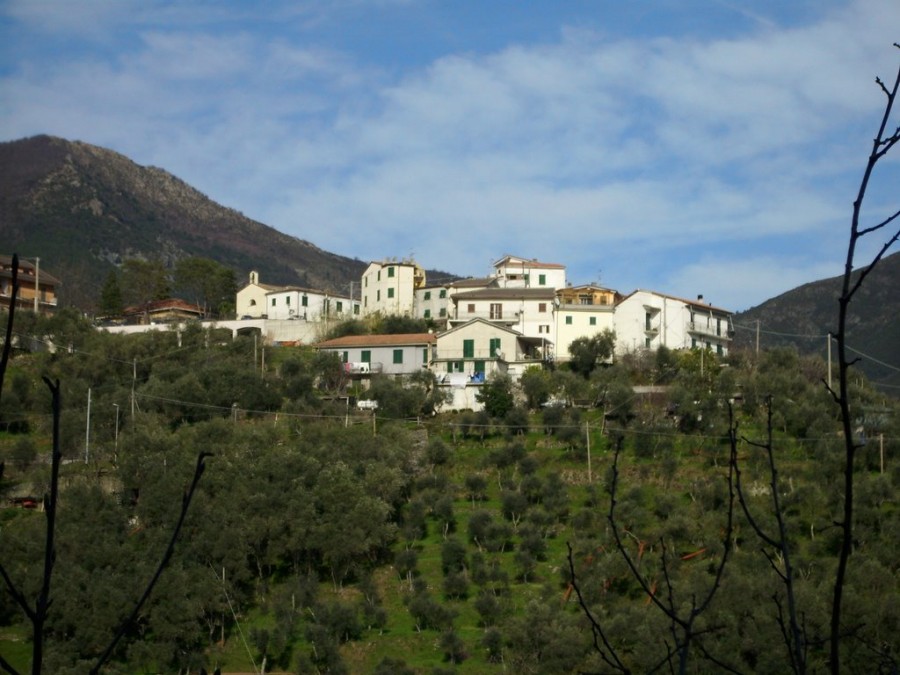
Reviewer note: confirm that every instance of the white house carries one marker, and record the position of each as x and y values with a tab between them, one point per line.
307	304
581	311
251	299
401	354
648	320
515	272
390	287
435	302
529	311
467	354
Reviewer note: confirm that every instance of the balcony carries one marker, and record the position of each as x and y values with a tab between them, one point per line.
701	328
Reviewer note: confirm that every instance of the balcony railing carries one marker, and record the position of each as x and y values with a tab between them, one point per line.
720	331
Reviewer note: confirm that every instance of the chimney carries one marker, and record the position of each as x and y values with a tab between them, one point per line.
700	297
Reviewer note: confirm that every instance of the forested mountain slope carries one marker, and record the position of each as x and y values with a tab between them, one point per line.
803	316
83	209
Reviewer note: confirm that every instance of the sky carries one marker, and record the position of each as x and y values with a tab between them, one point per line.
689	147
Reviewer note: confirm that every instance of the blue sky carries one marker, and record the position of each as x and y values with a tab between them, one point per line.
683	146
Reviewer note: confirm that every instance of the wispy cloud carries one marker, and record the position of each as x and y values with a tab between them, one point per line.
682	159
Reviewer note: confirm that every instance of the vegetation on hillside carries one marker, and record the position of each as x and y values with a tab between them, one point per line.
322	539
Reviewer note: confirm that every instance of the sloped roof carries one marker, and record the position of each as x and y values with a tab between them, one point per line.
517	260
379	340
29	268
507	294
698	304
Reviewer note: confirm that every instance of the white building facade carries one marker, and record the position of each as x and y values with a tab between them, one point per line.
649	320
389	288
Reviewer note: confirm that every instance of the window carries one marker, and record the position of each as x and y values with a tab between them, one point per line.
478	367
442	312
719	350
544	328
427	295
273	302
345	356
471	308
569	320
693	343
390	292
647	342
468	349
542	279
398	356
425	355
338	305
593	321
496	310
542	307
427	313
390	272
367	282
252	302
366	301
718	326
527	278
442	294
304	301
494	346
287	301
647	321
365	356
378	295
356	309
378	276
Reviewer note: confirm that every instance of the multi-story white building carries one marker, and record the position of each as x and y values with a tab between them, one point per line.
435	302
581	311
648	320
390	287
529	311
309	305
515	272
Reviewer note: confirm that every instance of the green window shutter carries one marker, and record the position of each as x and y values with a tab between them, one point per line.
479	367
425	355
305	301
366	356
427	313
568	320
593	321
442	294
494	346
542	279
345	356
428	295
273	302
398	356
390	292
468	349
443	312
378	295
390	271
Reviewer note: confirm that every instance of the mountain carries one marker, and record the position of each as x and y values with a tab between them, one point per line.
83	209
795	317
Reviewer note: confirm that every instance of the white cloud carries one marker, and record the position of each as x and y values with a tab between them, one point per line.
581	150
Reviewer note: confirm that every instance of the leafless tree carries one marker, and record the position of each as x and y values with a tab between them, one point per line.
38	613
792	631
882	144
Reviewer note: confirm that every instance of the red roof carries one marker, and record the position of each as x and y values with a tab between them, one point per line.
379	340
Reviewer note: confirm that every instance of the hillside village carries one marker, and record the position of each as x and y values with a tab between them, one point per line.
524	313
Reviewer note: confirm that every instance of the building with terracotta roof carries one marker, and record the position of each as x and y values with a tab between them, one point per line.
37	287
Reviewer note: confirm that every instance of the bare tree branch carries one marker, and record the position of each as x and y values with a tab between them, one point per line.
167	556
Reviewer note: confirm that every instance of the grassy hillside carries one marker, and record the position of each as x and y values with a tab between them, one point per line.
322	542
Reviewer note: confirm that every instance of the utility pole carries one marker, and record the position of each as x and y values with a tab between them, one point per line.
828	337
87	429
37	285
116	442
587	438
757	337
